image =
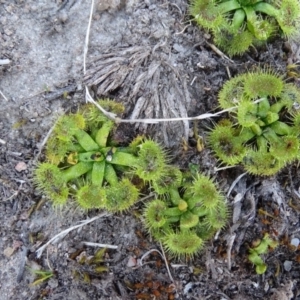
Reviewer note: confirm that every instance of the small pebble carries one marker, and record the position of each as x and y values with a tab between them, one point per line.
287	265
267	286
21	166
131	262
63	17
295	242
188	287
207	36
53	283
8	252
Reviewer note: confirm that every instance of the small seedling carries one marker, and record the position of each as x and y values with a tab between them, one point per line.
255	253
239	24
41	276
92	266
263	132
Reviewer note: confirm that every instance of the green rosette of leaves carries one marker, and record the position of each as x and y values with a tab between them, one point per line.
240	24
181	219
262	132
83	162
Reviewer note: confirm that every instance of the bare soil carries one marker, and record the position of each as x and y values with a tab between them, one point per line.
149	56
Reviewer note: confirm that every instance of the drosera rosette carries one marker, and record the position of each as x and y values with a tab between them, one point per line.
262	131
239	24
177	217
82	161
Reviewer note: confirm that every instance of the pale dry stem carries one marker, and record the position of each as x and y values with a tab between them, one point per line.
3	96
163	256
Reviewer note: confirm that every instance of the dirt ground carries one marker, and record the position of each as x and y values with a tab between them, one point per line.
149	56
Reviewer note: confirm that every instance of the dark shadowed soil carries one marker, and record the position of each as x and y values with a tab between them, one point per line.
149	56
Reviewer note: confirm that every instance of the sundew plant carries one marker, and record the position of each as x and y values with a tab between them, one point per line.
187	211
238	24
262	132
85	164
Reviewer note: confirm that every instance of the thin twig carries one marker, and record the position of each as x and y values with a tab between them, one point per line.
176	7
159	120
87	37
100	245
175	266
147	253
229	247
183	30
228	72
166	262
145	198
223	168
3	96
63	233
193	80
219	52
162	254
